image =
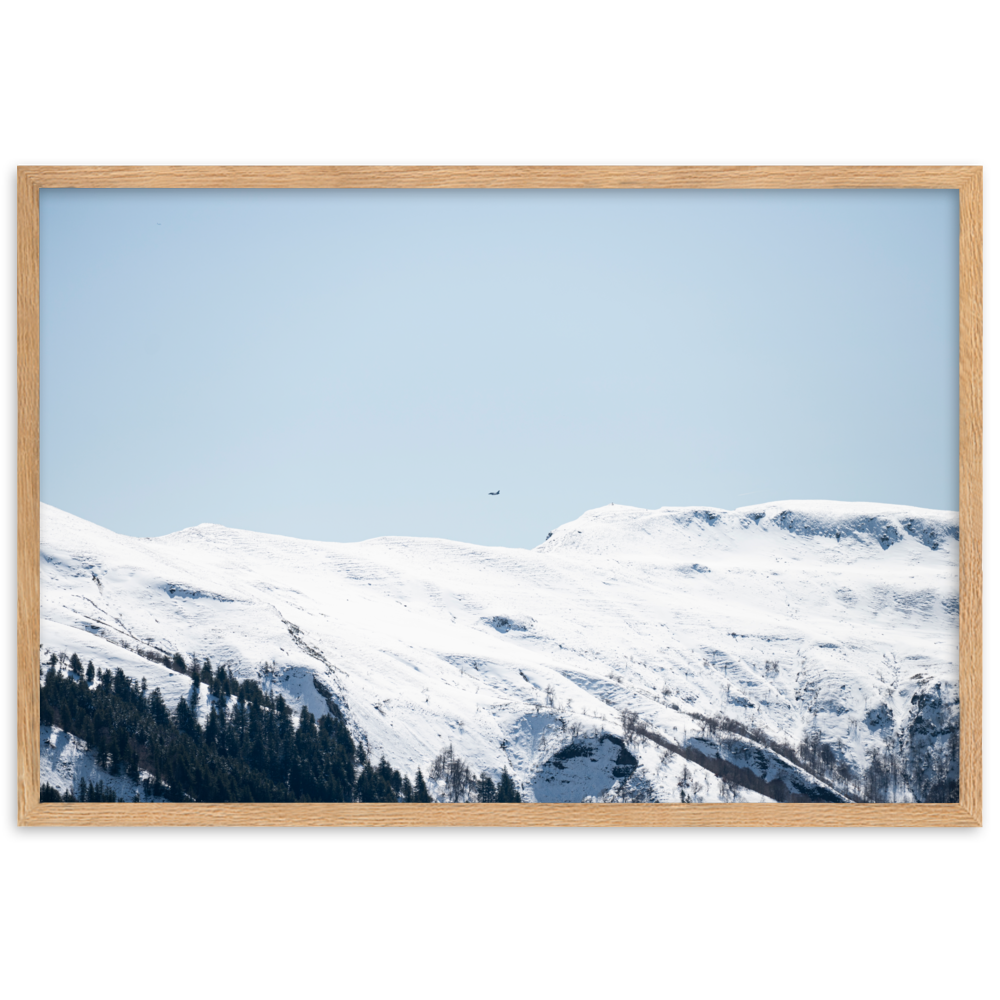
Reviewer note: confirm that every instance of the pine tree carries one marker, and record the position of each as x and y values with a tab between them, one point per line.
75	665
366	789
391	779
158	708
187	721
90	671
507	791
486	790
122	685
212	726
420	793
49	794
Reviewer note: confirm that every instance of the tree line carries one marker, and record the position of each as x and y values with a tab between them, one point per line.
462	784
250	749
83	791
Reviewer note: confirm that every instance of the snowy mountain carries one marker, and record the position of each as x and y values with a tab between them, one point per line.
801	650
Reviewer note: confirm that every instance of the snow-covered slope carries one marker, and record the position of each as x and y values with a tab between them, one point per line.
835	622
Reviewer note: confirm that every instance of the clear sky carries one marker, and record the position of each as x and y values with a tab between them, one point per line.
344	364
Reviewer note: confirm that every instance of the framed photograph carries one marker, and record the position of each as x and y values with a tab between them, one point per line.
522	496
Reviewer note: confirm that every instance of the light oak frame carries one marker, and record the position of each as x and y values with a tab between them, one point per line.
967	812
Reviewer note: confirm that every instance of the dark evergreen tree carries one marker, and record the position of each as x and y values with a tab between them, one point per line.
158	708
90	671
420	793
486	790
364	788
187	721
391	777
95	792
507	791
49	794
75	665
121	685
212	726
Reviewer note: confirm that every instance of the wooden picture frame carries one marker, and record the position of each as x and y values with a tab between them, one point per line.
967	180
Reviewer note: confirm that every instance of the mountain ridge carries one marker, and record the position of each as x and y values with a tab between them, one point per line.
788	618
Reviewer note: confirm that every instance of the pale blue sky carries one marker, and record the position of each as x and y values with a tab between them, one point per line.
345	364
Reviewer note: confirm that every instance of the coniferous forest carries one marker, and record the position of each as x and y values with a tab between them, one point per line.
251	749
